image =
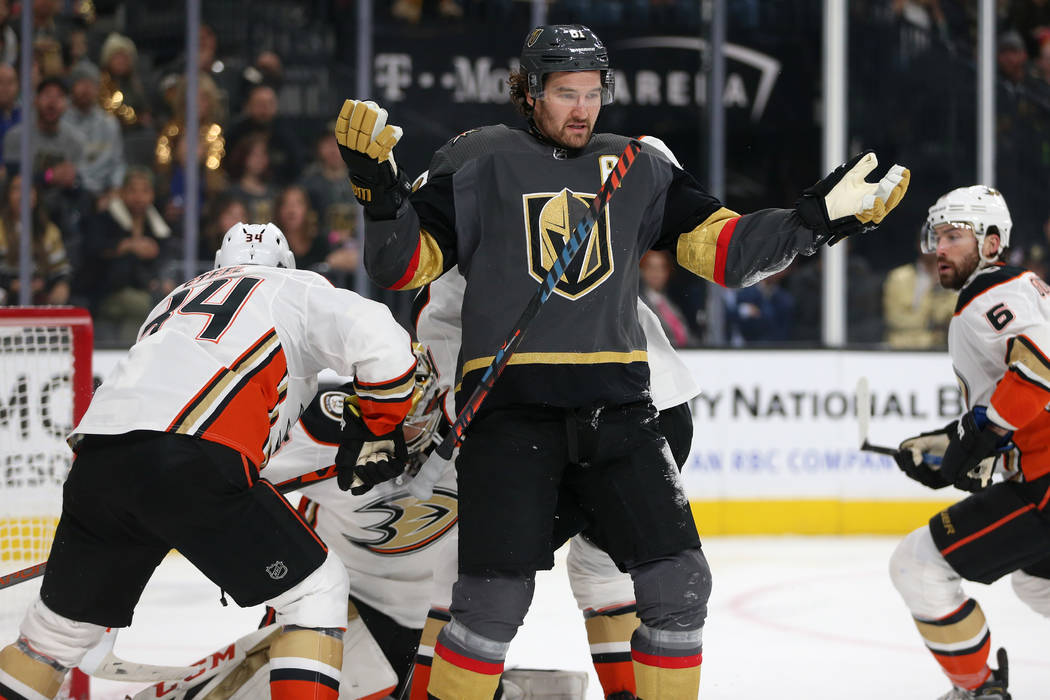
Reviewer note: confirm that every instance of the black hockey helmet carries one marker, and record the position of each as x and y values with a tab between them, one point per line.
552	48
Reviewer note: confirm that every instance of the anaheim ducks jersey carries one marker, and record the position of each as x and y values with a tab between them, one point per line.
436	312
389	541
501	203
999	341
232	356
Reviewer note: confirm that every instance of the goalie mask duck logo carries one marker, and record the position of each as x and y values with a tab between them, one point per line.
549	221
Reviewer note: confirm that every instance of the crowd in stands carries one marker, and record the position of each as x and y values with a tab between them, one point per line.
109	169
109	186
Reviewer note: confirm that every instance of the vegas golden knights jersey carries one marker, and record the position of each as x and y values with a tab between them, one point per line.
501	203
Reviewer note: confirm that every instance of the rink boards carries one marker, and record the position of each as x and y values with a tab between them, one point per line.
775	444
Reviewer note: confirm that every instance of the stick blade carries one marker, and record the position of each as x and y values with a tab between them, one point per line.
863	398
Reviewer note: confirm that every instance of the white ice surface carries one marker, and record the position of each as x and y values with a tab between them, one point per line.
790	617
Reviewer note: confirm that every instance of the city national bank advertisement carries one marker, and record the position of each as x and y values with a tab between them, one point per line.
776	442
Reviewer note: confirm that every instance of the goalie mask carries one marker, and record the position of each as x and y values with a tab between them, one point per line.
564	48
254	244
979	209
425	416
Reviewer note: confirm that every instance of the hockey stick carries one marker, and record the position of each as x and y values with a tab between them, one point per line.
422	486
296	482
101	662
863	395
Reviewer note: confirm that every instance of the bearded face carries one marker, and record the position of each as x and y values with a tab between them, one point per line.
569	107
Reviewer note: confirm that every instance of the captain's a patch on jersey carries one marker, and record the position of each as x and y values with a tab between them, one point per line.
549	221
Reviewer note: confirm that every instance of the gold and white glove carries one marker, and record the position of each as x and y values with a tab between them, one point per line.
845	203
366	143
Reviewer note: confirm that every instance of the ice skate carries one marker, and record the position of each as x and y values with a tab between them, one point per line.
992	689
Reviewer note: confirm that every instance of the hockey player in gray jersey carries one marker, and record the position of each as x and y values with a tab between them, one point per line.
572	412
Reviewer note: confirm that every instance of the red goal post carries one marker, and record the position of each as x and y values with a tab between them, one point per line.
45	387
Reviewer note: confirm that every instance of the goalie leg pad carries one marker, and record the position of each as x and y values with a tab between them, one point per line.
57	638
529	683
319	600
25	674
929	586
366	671
1033	590
305	664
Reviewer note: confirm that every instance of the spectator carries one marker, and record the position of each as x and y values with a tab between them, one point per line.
328	184
8	37
915	308
173	182
249	168
209	64
50	34
332	257
210	114
51	266
59	147
656	267
170	149
102	167
261	116
412	10
267	68
121	91
10	104
763	313
125	246
224	211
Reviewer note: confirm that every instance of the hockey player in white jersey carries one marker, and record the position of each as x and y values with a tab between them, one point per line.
999	342
169	452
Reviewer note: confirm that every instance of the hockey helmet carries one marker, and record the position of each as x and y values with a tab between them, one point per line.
254	244
554	48
977	208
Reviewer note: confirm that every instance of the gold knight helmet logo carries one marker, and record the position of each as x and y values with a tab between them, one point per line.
549	221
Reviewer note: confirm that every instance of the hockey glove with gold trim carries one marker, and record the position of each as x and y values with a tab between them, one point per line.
845	203
913	453
366	143
365	459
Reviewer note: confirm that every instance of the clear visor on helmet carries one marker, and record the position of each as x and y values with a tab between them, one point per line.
572	97
948	233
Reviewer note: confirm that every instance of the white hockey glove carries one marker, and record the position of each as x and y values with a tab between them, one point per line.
845	203
365	459
366	143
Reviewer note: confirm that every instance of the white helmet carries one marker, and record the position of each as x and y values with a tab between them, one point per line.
978	208
254	244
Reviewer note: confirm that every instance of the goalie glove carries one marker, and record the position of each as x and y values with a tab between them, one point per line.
845	203
966	460
365	459
366	143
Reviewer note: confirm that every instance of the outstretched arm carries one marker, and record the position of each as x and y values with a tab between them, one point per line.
736	250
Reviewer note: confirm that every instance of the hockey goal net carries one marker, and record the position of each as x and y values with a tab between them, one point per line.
45	386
